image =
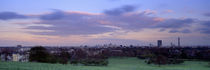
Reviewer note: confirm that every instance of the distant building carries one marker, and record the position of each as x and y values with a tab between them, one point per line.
178	41
150	45
15	57
159	43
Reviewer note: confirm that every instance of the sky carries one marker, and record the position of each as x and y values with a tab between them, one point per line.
98	22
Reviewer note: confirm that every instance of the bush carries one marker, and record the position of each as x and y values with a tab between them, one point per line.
53	59
39	54
175	61
95	62
91	62
162	60
146	56
64	56
74	61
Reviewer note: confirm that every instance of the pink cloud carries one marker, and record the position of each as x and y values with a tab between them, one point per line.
169	11
158	19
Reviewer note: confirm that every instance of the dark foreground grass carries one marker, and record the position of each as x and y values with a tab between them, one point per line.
114	64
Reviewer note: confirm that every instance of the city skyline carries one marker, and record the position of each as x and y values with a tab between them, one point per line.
85	22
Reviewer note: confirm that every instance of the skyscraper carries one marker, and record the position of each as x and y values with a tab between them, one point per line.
178	41
159	43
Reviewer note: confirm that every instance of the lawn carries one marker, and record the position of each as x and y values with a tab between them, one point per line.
114	64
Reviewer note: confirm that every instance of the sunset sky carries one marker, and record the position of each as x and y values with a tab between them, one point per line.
92	22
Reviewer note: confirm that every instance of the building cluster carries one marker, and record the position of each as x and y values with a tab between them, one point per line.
22	53
14	54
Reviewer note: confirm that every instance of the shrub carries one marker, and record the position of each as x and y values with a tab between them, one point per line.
175	61
53	59
64	57
91	62
162	60
39	54
95	62
146	56
74	61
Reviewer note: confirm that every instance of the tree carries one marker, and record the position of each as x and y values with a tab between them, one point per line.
94	62
64	56
39	54
162	60
77	56
146	54
158	59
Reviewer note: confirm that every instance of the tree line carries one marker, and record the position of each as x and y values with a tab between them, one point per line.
41	54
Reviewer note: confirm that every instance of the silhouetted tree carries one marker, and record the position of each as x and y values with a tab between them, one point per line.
94	62
162	59
39	54
64	56
158	59
146	54
77	55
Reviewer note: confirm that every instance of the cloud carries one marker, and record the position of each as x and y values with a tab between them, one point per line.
186	31
81	23
204	27
140	20
131	21
173	31
70	23
161	30
135	21
180	31
115	41
168	11
207	14
175	23
53	16
11	15
64	23
121	10
148	12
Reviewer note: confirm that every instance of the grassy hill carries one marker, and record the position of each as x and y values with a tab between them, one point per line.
114	64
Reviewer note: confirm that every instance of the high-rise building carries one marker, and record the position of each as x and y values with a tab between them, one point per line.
159	43
178	41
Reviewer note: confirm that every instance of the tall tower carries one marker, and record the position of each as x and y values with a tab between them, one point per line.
159	43
178	41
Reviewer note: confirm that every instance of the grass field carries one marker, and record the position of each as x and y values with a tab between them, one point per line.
114	64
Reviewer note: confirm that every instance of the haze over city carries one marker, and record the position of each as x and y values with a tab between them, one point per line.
92	22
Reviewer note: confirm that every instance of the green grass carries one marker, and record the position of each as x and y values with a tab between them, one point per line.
114	64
